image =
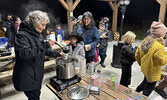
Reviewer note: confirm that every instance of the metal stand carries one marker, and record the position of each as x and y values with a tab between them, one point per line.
117	48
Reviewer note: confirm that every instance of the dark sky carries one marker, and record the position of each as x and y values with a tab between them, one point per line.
138	12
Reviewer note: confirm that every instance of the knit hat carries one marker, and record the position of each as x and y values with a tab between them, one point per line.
80	18
158	29
101	23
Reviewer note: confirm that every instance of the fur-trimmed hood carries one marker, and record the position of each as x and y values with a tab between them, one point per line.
148	41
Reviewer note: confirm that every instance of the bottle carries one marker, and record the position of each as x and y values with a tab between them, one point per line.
91	67
59	38
112	81
99	74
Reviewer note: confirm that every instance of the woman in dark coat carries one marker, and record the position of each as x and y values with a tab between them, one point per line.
30	50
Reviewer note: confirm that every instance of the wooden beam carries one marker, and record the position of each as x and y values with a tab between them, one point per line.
64	4
70	10
118	4
114	20
112	6
159	1
75	4
162	11
106	0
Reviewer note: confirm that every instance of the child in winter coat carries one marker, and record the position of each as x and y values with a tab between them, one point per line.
104	35
127	57
76	49
58	31
151	55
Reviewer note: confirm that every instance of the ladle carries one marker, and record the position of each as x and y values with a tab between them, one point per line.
64	51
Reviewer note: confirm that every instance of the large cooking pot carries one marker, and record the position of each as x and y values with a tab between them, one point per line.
65	68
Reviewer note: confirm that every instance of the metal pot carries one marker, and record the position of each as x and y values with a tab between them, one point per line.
65	68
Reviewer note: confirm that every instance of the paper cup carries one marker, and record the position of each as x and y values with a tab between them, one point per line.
65	56
131	89
86	47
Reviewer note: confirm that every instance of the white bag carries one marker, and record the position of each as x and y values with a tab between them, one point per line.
154	96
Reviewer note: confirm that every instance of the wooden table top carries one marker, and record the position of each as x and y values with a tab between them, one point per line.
106	92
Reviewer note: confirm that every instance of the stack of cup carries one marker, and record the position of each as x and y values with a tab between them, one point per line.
82	67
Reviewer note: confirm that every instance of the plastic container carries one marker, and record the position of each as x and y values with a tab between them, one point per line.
91	68
59	38
114	81
95	83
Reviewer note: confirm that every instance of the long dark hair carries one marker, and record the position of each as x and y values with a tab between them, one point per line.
92	22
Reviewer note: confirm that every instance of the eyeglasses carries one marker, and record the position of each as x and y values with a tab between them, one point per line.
43	25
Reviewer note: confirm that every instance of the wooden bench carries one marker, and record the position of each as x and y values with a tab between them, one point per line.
7	74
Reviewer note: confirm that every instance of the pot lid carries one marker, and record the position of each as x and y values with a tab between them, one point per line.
78	93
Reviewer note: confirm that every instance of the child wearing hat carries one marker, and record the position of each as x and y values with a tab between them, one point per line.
127	57
79	25
106	21
104	35
76	49
151	55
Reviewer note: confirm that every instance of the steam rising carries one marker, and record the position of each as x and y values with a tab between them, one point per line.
38	5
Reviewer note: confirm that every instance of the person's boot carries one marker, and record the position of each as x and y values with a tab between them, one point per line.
102	64
160	87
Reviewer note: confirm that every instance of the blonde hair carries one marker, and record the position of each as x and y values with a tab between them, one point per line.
129	37
151	39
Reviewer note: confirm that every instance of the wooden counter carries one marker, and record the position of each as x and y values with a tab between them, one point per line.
106	92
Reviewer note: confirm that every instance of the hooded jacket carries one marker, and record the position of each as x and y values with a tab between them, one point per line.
78	52
127	54
30	51
104	41
151	55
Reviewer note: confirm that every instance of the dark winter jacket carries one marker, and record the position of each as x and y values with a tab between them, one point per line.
30	51
104	41
8	32
127	54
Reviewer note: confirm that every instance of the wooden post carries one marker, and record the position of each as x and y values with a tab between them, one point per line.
75	4
69	6
114	8
70	11
162	11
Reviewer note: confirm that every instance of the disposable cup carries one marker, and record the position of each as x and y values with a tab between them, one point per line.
86	47
132	89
